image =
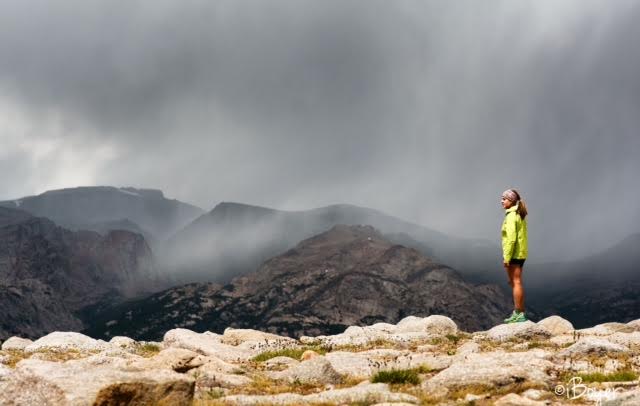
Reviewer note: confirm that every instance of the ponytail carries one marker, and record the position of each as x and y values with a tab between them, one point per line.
522	207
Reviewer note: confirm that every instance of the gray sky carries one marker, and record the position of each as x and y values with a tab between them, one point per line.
426	110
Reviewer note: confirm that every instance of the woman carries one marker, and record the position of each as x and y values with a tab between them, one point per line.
514	248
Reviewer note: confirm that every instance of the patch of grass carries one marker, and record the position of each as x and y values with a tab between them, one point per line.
146	350
453	338
619	376
295	353
397	376
371	345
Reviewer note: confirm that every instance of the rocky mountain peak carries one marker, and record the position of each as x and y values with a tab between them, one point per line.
347	275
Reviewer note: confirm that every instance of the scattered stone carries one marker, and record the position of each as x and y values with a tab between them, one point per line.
556	325
527	330
16	343
65	341
210	365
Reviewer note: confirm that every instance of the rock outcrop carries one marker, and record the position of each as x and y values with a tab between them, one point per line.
442	365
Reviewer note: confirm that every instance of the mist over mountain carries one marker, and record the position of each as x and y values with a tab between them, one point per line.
602	287
100	208
49	274
234	238
345	276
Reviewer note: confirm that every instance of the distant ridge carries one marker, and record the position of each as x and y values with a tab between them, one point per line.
348	275
91	207
234	238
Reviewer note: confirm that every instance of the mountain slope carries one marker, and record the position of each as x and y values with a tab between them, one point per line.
347	275
48	274
83	207
233	239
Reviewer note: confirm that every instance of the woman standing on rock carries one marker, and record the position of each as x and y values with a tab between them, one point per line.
514	248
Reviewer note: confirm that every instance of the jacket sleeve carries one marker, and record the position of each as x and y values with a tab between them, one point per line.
509	236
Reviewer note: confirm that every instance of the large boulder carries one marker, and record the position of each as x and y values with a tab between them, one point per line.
435	324
634	324
592	345
85	382
237	336
206	343
495	369
606	329
65	341
314	371
175	359
527	330
15	343
514	399
631	398
556	325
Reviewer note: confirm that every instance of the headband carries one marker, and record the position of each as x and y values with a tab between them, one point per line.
510	194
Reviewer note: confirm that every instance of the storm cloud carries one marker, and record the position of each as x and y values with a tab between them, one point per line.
426	110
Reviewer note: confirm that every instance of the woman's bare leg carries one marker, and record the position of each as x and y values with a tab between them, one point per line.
509	274
515	273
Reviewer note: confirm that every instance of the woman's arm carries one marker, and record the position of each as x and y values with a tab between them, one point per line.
508	237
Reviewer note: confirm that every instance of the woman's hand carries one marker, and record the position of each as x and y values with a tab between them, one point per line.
505	264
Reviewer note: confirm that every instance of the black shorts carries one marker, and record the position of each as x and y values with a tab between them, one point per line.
515	261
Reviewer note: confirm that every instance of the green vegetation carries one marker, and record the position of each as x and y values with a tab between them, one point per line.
146	350
619	376
453	338
398	376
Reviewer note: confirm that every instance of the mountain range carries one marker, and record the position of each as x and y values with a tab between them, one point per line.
69	258
348	275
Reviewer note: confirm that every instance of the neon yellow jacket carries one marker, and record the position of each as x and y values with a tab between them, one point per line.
514	235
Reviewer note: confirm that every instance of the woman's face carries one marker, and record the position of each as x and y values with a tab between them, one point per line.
506	203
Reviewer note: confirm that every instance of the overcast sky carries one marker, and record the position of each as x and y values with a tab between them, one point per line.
426	110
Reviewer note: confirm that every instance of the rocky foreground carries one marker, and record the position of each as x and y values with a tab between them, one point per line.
416	361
